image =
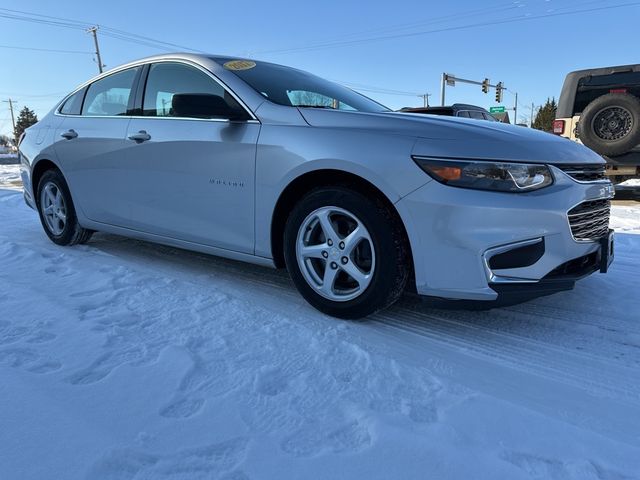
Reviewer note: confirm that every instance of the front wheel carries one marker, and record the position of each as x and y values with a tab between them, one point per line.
57	212
346	253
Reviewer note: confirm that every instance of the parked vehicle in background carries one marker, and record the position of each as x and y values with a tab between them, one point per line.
456	110
271	165
600	107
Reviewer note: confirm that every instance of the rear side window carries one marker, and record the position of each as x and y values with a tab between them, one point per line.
110	96
73	104
168	79
463	113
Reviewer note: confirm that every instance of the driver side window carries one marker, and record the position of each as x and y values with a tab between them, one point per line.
178	90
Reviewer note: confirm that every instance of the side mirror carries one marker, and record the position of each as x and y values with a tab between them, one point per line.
203	105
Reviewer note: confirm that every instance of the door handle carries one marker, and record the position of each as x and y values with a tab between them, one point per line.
141	136
69	134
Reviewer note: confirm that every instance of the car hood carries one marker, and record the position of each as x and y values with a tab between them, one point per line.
453	137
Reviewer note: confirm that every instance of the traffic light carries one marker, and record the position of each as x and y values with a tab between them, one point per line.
499	89
485	85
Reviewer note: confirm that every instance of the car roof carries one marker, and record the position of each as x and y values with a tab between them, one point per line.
606	70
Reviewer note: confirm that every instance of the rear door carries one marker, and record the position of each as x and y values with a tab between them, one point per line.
91	142
188	177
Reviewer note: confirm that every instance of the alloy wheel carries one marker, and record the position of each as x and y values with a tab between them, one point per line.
53	207
335	253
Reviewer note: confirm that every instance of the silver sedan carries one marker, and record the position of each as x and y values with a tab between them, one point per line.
271	165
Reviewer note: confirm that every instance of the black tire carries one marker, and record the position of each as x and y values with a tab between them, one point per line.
387	235
72	233
624	134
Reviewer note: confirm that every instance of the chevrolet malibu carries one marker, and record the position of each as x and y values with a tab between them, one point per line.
271	165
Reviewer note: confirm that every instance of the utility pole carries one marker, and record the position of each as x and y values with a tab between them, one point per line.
13	120
531	122
443	83
425	99
515	110
94	32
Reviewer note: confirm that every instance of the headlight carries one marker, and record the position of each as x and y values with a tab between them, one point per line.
483	175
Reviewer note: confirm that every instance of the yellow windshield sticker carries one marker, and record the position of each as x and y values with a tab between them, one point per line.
239	65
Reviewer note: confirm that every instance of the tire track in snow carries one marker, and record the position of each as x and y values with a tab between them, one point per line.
460	329
596	375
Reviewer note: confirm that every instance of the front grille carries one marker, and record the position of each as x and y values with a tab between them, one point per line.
590	220
585	173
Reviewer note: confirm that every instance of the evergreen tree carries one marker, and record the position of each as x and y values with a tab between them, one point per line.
26	118
545	116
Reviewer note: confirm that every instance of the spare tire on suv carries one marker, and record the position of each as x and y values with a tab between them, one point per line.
610	124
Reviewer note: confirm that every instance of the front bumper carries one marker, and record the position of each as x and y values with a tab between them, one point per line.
454	232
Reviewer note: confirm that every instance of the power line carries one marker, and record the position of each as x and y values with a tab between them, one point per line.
117	36
131	36
41	21
50	50
370	88
29	95
516	19
435	20
83	25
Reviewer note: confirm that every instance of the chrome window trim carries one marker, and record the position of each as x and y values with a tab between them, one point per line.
189	119
86	84
253	119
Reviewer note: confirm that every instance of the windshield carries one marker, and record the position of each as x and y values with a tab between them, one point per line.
291	87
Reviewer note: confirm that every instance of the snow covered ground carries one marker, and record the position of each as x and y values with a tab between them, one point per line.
634	182
126	360
10	177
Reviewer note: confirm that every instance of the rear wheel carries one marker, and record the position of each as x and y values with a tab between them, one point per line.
610	124
346	253
57	212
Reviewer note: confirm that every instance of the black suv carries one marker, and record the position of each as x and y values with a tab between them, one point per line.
455	110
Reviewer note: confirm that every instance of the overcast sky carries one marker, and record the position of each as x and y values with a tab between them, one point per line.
391	51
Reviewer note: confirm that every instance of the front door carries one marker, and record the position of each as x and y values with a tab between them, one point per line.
189	176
